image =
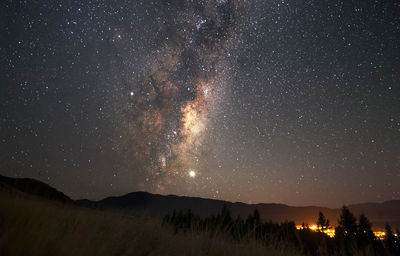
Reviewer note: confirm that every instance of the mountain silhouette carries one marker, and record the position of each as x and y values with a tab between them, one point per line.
33	187
144	203
160	205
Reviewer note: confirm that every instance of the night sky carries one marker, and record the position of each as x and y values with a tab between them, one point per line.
290	101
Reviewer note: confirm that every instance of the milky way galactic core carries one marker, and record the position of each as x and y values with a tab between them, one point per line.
171	104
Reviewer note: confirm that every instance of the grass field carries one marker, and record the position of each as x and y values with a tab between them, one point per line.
36	226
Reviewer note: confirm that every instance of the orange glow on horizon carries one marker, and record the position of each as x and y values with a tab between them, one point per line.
330	231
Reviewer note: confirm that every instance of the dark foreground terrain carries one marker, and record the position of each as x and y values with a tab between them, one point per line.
36	219
30	225
143	203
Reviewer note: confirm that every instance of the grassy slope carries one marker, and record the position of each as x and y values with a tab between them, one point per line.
35	226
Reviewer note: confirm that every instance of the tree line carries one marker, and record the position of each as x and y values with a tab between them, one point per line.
352	236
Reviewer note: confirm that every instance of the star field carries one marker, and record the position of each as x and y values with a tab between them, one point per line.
295	101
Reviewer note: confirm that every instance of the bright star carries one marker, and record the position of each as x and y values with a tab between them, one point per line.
192	174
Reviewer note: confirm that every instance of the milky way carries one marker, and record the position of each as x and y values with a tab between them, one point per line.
171	103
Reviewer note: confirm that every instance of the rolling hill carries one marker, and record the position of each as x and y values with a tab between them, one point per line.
34	187
145	203
159	205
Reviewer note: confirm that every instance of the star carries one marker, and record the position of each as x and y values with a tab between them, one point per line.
192	174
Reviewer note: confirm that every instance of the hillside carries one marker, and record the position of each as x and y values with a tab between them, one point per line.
34	187
145	203
31	225
159	205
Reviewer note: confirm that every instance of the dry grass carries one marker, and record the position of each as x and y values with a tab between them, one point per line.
34	226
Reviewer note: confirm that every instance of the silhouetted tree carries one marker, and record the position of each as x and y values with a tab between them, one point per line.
322	222
364	235
253	220
350	238
345	232
390	241
238	229
224	219
347	223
